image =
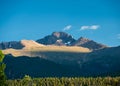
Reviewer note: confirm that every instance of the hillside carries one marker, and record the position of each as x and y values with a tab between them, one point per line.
31	47
99	63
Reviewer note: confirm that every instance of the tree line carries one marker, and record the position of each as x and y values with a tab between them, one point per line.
64	81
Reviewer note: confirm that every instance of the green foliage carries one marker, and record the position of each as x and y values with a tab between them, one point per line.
1	56
99	81
2	69
27	81
27	78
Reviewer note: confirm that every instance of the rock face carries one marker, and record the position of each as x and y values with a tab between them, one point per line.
12	44
84	42
57	38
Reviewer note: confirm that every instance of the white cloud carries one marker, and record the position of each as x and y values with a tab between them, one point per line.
84	27
92	27
67	27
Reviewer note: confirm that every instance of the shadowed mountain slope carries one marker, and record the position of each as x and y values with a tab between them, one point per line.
102	62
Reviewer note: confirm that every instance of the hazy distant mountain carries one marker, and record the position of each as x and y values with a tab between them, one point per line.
11	44
84	42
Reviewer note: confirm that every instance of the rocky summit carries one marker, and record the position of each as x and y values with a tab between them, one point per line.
57	38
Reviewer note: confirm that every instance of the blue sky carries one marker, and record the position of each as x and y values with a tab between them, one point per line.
98	20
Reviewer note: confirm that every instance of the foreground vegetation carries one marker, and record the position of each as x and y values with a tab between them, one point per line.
99	81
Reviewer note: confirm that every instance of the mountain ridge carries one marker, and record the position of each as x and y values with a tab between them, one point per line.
57	39
64	39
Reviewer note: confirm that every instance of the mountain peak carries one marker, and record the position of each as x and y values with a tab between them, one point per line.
60	34
57	38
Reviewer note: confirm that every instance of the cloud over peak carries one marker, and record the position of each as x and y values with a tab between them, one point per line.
68	27
92	27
